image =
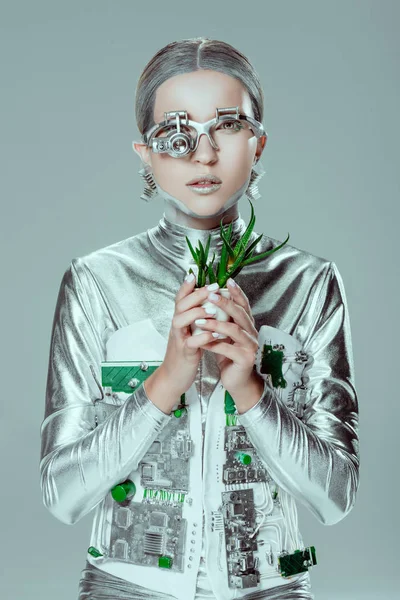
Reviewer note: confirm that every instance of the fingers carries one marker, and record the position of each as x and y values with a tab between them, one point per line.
186	287
239	355
232	330
188	317
188	296
238	295
196	341
187	308
237	312
238	308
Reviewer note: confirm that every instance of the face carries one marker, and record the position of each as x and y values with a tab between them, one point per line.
200	93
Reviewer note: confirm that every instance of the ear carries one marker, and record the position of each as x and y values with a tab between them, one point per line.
261	142
143	151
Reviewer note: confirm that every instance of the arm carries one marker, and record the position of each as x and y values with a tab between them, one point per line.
316	458
81	462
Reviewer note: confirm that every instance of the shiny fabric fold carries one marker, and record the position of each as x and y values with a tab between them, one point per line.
95	584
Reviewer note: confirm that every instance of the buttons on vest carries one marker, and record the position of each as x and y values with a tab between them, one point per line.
133	382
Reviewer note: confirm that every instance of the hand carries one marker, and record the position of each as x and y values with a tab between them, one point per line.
235	360
181	360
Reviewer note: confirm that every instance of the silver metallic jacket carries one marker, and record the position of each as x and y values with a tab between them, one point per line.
116	305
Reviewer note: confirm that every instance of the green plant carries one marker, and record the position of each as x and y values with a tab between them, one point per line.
232	260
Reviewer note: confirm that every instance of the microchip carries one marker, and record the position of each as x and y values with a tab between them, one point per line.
147	471
238	509
155	448
158	519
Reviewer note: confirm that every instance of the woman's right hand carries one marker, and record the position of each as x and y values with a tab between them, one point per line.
181	360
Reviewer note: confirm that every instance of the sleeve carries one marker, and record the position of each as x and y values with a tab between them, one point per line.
316	458
80	462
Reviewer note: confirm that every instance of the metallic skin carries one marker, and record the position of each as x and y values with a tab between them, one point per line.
85	451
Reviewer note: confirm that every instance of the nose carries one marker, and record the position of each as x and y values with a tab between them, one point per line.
205	152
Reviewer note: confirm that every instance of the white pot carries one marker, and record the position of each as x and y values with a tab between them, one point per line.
220	315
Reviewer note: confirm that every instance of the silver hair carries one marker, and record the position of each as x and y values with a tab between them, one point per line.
186	56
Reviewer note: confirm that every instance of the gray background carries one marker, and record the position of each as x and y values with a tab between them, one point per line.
70	185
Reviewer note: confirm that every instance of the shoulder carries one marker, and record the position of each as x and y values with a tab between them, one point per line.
293	260
108	259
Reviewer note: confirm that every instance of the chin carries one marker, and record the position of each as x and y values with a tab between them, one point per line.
205	200
205	209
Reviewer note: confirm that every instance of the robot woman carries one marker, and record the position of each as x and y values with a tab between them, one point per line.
192	451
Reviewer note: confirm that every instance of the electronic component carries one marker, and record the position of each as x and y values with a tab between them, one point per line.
239	523
298	562
166	464
149	535
242	463
123	491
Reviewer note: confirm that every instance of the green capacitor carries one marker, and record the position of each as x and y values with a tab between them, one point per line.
243	458
180	411
94	552
124	490
165	562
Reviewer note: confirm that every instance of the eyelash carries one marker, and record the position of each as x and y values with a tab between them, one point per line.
240	126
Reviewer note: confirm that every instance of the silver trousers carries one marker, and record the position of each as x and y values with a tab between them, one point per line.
95	584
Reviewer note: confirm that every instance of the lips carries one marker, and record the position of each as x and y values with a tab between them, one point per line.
205	180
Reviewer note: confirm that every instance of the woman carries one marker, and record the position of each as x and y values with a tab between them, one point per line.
127	302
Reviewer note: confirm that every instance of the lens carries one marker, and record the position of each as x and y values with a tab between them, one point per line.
179	144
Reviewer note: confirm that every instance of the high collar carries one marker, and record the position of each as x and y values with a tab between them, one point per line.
169	238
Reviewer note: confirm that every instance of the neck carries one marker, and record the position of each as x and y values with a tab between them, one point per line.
169	239
174	215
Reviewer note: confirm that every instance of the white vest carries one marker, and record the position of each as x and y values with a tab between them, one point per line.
249	519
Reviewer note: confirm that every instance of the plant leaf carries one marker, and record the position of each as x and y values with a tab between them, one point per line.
194	254
222	264
250	248
202	278
229	248
211	275
239	259
202	254
207	248
264	254
235	272
249	230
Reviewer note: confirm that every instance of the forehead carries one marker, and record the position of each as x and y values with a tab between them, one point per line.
200	93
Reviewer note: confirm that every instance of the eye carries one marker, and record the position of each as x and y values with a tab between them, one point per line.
230	126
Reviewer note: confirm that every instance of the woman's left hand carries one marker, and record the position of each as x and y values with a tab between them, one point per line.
236	358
